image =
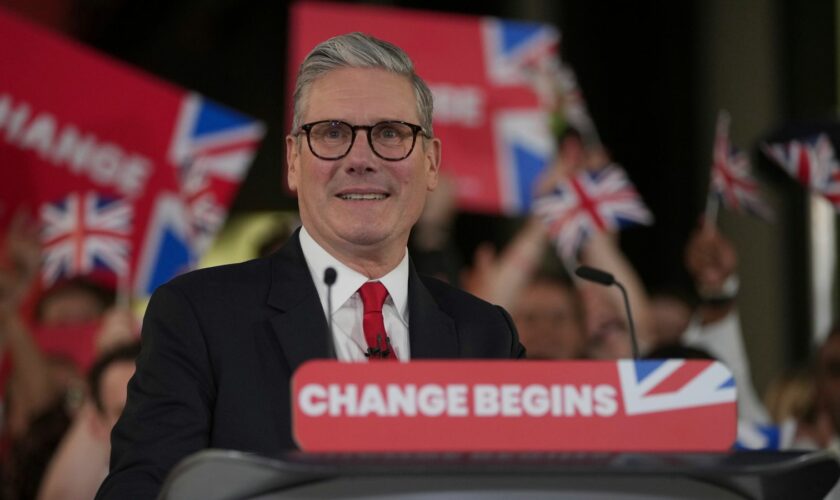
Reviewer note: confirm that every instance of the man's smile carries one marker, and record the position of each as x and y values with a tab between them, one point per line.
362	196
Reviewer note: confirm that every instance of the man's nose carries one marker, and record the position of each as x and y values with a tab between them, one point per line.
360	151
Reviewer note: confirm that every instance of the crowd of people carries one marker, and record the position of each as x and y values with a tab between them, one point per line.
58	407
559	316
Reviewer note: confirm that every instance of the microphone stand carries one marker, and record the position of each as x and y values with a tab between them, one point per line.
330	276
607	279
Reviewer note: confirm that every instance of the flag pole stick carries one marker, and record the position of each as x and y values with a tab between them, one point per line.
712	209
718	148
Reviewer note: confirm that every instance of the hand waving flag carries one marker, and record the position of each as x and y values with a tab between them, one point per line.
602	200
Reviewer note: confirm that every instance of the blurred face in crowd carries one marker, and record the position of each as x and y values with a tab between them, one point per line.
70	306
828	377
571	151
548	318
361	205
607	336
113	389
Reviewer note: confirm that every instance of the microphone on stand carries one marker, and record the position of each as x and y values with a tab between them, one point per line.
330	276
607	279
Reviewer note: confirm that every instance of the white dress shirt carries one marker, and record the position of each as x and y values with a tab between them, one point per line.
347	308
722	339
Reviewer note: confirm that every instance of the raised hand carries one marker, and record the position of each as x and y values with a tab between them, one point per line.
712	262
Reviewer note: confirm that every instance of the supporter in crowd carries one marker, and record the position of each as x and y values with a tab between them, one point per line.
499	278
504	277
81	462
42	390
792	403
24	367
715	327
828	376
607	330
549	318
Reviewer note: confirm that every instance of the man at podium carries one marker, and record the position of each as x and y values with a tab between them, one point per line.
220	344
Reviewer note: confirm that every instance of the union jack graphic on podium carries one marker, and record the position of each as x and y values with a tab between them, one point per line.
673	384
84	232
812	162
732	180
212	148
603	200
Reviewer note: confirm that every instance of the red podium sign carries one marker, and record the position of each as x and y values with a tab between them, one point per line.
651	405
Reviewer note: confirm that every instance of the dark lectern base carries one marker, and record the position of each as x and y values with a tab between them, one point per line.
219	474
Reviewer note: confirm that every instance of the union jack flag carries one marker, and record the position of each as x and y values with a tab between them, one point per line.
602	200
166	249
515	49
812	162
732	180
213	147
516	54
84	232
673	384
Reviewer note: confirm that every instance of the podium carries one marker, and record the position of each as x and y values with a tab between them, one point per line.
228	475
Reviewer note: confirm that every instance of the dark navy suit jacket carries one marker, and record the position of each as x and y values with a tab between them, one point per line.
220	346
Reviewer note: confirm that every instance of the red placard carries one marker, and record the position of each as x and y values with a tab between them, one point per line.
651	405
130	176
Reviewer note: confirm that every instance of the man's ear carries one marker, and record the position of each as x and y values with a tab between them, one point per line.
292	161
432	159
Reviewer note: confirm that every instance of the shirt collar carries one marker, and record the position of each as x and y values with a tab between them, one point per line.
349	280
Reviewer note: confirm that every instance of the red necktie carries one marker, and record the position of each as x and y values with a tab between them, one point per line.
373	295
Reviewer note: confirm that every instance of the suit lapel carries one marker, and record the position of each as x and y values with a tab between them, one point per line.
431	332
300	325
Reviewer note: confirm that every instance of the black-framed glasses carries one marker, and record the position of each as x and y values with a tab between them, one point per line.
333	139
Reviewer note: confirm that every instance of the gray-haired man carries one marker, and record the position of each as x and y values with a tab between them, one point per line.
220	345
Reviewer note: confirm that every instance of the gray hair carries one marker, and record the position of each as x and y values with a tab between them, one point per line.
358	50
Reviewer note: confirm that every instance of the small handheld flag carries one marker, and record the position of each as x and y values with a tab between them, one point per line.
812	162
732	182
602	200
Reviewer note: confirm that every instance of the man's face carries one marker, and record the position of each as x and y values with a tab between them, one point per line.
366	227
548	318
